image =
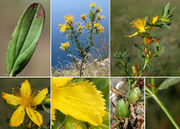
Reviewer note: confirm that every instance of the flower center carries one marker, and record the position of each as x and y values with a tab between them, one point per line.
26	101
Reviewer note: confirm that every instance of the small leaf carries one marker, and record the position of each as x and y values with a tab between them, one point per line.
169	82
25	38
166	9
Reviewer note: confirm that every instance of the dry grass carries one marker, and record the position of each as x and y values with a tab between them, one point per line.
91	68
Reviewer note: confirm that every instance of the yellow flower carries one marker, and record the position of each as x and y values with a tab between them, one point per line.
100	17
69	19
98	9
80	100
83	17
80	27
97	24
63	27
155	19
27	103
64	46
101	29
140	24
93	5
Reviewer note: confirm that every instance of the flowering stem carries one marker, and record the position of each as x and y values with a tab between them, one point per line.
150	92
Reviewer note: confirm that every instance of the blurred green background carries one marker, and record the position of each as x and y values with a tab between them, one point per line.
7	110
122	13
10	11
155	117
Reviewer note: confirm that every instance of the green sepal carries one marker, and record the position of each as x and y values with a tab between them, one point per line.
135	95
122	109
71	123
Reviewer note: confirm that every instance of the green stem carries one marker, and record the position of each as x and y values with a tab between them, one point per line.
145	64
129	83
162	107
60	125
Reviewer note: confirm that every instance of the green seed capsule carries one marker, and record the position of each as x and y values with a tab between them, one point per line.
122	109
71	123
135	95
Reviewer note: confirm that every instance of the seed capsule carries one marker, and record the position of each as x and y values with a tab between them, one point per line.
122	109
135	95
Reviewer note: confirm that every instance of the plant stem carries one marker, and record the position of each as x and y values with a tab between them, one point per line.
81	66
145	64
60	125
162	107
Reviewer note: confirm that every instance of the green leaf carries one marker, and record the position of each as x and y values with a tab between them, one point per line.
169	82
166	9
25	38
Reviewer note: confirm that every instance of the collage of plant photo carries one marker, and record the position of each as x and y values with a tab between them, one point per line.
89	64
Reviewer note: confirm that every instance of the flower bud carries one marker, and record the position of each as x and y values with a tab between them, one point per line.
135	95
134	70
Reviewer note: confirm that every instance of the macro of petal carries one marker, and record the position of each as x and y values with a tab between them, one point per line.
11	99
60	81
17	117
35	116
38	99
25	90
80	100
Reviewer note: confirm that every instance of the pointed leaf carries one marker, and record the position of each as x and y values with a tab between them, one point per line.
25	38
169	82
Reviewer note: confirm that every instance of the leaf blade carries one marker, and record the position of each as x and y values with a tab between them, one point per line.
168	82
25	38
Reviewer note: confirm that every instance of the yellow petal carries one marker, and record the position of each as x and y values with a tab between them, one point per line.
17	117
39	97
11	99
132	35
80	100
52	115
35	116
60	81
25	89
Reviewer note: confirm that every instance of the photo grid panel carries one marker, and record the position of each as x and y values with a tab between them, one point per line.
127	103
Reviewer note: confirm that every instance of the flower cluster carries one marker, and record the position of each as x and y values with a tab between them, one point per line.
90	24
144	31
150	49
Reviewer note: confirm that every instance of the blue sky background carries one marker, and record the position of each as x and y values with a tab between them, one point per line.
59	9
